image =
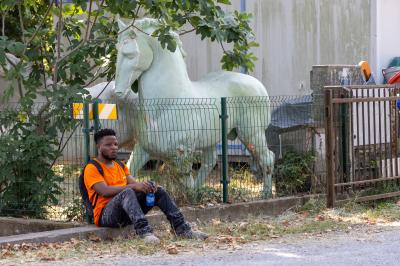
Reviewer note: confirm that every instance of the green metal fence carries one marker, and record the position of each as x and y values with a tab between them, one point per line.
183	145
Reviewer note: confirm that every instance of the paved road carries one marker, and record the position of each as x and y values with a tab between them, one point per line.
364	245
361	248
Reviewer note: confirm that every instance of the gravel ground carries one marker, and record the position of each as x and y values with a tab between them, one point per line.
360	245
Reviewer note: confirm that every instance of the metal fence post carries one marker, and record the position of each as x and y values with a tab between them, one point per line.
224	140
86	132
330	142
96	121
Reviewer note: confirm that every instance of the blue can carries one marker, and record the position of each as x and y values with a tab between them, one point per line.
150	199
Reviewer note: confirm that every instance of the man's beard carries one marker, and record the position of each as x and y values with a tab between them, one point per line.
109	158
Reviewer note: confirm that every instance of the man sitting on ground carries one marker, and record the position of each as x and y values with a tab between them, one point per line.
119	199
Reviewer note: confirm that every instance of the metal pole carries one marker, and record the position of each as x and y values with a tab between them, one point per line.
330	143
224	138
86	132
96	121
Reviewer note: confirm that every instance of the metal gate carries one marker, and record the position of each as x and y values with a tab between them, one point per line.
362	143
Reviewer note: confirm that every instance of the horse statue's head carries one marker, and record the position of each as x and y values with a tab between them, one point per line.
136	47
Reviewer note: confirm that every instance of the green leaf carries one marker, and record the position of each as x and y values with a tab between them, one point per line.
16	48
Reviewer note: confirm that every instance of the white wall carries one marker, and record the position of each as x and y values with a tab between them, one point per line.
387	34
293	36
296	34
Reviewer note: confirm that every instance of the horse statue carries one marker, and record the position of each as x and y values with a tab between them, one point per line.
168	133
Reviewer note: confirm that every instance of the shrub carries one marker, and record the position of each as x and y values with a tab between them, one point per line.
293	172
27	182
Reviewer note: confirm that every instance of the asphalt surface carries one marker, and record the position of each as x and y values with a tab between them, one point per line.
363	245
369	247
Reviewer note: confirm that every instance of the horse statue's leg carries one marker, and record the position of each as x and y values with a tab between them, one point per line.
137	159
256	143
208	161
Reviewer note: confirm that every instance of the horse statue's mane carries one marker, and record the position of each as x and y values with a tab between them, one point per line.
145	24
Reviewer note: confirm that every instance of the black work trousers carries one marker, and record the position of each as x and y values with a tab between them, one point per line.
129	207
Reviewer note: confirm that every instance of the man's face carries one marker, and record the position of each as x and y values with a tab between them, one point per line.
108	147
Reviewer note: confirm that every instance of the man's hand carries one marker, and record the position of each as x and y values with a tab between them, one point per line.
144	187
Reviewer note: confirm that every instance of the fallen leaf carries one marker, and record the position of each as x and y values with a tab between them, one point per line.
286	223
226	239
47	258
94	238
305	214
6	252
44	256
26	246
172	249
215	222
74	241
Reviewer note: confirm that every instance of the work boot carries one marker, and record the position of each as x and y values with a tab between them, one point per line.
149	238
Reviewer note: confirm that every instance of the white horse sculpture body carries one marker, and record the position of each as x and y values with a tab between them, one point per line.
170	134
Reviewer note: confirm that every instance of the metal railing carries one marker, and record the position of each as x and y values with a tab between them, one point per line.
362	143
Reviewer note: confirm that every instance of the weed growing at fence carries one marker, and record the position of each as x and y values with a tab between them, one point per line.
244	186
74	211
294	172
380	188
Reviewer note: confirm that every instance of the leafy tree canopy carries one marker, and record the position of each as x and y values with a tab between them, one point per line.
73	42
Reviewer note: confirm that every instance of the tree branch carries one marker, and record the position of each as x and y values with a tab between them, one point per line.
96	75
55	70
41	22
86	38
21	22
3	21
222	46
59	147
132	24
187	31
88	21
44	71
20	90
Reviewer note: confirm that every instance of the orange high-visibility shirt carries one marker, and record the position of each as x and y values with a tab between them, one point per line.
113	176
